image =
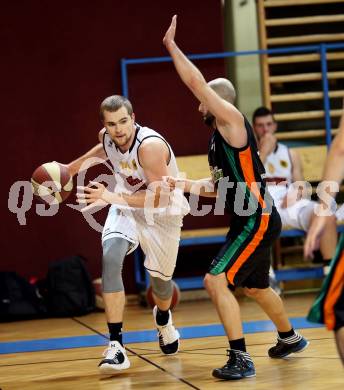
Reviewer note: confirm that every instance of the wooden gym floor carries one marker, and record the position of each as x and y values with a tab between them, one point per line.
64	353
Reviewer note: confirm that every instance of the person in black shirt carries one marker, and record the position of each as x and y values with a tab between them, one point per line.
237	177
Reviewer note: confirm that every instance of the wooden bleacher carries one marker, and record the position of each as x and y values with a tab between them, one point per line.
291	78
196	167
312	158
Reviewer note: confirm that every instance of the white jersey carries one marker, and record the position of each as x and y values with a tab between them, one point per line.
278	167
278	164
130	175
157	230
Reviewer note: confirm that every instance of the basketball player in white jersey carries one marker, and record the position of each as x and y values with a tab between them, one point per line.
283	168
140	157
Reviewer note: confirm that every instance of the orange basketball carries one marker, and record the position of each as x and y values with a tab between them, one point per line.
52	182
175	296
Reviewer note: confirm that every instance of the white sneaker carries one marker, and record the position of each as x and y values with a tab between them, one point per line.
116	359
168	335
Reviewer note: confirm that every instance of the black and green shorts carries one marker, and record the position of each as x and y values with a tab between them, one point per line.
328	308
246	255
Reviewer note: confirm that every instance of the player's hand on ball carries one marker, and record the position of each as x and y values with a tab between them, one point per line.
93	195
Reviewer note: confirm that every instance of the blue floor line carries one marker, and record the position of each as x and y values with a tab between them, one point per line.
188	332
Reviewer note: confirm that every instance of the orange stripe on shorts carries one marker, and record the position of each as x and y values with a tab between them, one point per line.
334	291
251	247
247	168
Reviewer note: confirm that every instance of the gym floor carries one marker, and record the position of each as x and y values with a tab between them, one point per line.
64	353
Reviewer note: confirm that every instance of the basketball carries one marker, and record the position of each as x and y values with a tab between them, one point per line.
175	296
52	182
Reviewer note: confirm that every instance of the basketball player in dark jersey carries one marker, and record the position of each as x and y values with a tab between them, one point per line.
328	308
244	260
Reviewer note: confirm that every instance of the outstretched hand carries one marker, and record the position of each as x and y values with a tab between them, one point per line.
171	32
92	197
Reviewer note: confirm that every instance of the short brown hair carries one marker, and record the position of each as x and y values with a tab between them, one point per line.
114	103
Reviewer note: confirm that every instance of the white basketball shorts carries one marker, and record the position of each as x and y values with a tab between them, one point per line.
297	216
159	239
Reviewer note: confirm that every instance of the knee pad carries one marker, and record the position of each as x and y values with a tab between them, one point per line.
163	289
114	251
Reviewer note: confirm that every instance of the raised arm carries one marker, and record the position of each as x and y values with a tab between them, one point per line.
230	121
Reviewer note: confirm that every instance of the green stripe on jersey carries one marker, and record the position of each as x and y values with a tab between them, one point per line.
247	229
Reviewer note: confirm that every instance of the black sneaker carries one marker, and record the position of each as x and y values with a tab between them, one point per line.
285	347
239	366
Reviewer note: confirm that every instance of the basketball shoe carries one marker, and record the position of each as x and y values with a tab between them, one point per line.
168	335
116	359
285	347
239	366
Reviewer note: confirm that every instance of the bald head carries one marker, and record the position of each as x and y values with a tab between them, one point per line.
223	88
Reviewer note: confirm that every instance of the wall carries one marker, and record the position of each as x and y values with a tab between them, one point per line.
241	35
60	59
